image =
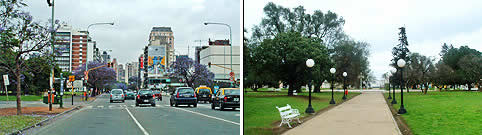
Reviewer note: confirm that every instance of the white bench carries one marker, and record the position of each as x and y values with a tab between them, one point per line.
288	114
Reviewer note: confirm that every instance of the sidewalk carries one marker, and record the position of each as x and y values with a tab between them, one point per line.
366	114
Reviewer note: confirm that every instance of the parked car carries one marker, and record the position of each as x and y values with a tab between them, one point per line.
226	98
130	96
204	94
145	97
183	96
117	95
158	95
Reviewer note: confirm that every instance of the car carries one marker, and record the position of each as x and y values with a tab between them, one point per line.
145	97
204	94
226	98
158	95
117	95
183	96
130	95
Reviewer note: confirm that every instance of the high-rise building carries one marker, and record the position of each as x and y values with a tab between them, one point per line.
163	36
71	48
132	69
120	73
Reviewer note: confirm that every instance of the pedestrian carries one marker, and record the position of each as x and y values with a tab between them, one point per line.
85	95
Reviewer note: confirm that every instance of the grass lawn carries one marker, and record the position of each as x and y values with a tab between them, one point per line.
23	98
443	112
13	123
260	108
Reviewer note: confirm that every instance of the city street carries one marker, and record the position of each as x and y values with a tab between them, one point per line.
102	117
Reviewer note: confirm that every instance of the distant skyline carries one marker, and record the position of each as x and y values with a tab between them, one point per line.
133	21
429	24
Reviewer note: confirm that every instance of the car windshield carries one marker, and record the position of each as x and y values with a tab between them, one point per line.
157	92
185	91
231	92
145	92
116	92
204	91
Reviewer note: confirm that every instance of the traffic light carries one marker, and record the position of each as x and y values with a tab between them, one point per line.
209	64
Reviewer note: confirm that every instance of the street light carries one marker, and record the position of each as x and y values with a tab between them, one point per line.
87	56
309	63
393	71
230	41
332	71
401	64
344	85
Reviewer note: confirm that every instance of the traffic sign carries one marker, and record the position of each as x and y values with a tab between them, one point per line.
86	74
231	74
78	84
5	80
69	84
71	78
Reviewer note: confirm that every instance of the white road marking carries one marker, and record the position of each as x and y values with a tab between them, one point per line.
100	106
236	115
88	107
207	116
138	124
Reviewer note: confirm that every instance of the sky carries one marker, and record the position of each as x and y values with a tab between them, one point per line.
428	23
133	21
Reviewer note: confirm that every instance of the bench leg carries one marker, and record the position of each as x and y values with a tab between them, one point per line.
289	125
281	124
298	120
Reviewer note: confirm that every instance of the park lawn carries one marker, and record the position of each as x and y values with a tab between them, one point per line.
260	108
440	113
23	98
13	123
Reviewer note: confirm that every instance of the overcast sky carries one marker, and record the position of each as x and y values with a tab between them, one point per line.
429	23
135	19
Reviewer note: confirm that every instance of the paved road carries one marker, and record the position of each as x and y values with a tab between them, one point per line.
102	117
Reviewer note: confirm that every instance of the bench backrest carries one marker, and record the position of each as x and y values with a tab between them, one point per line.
286	110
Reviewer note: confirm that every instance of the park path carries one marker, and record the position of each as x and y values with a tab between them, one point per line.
366	114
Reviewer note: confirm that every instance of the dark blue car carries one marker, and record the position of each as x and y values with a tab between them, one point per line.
183	96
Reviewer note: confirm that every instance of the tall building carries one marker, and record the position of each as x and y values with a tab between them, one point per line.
218	53
132	69
71	46
163	36
120	73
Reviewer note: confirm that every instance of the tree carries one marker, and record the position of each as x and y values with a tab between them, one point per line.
284	58
21	38
98	78
121	85
133	82
352	57
192	72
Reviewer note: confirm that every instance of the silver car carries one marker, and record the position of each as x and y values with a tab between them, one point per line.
117	95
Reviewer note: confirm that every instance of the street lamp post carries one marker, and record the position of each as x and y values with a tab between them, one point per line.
332	71
309	63
87	56
344	85
230	41
401	64
393	71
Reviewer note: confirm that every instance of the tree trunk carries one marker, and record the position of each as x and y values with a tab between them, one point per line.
317	87
19	103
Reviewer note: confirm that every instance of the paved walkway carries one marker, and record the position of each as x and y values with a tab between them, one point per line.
366	114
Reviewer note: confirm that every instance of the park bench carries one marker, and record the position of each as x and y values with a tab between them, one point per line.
288	114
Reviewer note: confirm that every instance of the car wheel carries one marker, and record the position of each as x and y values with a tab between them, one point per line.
212	106
153	105
110	101
137	104
175	104
221	106
195	105
170	103
123	101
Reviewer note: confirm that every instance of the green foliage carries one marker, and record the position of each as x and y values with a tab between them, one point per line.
24	98
352	57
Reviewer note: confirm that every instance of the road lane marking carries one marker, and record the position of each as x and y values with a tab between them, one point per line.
236	115
207	116
100	106
138	124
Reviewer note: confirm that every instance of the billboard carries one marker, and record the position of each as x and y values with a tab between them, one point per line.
156	60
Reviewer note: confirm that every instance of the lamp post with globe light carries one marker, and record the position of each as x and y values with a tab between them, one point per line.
332	71
393	71
344	85
309	63
401	64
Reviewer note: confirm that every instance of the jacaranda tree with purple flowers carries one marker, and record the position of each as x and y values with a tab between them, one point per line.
98	78
193	73
20	39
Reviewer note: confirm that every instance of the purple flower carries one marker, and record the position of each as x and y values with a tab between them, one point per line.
1	29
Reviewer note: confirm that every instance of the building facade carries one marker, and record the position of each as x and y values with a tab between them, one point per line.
71	48
132	69
219	55
163	36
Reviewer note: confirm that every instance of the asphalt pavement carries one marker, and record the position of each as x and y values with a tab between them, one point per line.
102	117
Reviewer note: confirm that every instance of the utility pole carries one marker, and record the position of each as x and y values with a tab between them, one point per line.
61	90
52	4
